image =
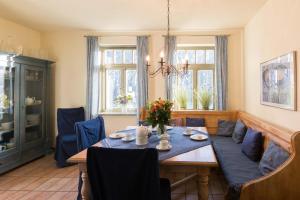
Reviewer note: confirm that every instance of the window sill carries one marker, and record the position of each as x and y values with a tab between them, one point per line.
118	113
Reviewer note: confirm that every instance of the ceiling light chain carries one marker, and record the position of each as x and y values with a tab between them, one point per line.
166	68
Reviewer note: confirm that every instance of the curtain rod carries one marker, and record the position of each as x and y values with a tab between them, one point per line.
115	35
192	35
203	35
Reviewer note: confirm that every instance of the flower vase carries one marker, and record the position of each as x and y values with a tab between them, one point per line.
124	108
162	132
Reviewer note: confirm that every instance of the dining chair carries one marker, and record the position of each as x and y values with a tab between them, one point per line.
176	122
88	133
66	140
195	122
126	174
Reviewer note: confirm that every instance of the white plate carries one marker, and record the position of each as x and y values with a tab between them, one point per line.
158	147
117	135
199	137
124	139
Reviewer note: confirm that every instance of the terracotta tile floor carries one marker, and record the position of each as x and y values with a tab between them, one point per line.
41	180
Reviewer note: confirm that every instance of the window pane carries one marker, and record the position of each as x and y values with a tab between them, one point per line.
108	56
134	56
128	57
118	55
113	85
206	83
180	56
200	56
186	83
131	87
210	56
191	56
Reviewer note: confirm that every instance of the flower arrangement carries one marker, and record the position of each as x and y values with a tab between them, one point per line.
123	100
5	102
159	113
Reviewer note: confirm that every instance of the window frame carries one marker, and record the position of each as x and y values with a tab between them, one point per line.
122	67
197	67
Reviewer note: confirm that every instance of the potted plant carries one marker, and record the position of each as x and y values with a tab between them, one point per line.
159	114
204	98
181	98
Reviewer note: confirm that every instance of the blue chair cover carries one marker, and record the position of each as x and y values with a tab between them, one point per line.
66	140
126	174
88	133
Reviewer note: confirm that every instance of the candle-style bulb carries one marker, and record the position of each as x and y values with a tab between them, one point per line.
148	58
162	54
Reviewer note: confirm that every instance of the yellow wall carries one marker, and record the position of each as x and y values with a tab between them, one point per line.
68	49
274	31
19	35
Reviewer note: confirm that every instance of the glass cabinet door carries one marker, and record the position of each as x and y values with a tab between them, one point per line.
33	103
8	131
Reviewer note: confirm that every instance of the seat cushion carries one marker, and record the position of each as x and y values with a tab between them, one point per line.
272	158
237	167
252	145
225	128
239	131
195	122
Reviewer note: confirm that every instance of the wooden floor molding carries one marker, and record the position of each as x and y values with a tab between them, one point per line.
42	180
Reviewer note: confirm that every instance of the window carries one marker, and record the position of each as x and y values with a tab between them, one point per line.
118	78
200	77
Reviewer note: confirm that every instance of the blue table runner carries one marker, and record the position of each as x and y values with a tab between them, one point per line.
180	143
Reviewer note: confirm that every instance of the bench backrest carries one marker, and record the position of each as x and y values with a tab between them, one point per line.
270	131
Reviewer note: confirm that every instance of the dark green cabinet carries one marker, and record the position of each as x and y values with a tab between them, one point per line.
24	102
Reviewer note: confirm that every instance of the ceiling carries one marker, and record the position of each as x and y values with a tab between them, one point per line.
129	15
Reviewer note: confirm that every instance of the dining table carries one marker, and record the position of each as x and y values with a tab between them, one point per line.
196	164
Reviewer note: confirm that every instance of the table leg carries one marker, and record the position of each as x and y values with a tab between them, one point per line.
202	182
85	190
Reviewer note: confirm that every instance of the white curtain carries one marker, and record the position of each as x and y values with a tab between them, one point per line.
170	50
221	71
142	74
93	77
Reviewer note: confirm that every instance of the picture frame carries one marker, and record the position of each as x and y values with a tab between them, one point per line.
278	82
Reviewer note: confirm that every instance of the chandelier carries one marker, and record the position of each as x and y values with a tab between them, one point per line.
164	67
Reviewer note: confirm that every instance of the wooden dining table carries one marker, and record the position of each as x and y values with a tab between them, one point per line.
196	164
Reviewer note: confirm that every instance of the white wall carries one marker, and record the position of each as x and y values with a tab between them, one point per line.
272	32
68	49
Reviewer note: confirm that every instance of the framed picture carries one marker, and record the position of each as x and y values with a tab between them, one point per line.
278	82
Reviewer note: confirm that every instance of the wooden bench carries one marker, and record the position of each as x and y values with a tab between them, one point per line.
281	184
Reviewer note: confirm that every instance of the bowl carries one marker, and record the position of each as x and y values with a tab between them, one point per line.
7	125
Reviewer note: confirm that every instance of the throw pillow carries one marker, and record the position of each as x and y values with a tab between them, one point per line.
239	132
195	122
272	158
225	128
252	144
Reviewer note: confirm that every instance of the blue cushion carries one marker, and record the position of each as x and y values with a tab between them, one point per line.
252	144
236	166
239	132
272	158
225	128
195	122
